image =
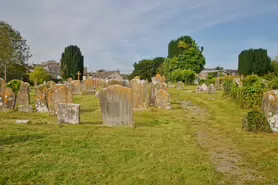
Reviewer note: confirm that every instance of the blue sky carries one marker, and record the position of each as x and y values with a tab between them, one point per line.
113	34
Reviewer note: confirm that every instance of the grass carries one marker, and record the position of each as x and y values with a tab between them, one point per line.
162	149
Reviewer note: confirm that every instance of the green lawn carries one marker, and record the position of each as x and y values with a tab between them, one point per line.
163	148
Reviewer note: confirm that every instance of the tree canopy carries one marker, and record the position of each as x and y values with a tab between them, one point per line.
14	50
147	68
254	61
72	61
40	75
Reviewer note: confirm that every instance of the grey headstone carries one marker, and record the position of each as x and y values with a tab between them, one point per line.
68	113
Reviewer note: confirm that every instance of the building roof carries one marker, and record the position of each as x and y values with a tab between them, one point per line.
103	74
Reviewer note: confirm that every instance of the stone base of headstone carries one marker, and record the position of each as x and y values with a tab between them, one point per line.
68	113
25	108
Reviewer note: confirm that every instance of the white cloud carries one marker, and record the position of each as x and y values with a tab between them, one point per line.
115	34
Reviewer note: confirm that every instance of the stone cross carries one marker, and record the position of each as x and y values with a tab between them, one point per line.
78	75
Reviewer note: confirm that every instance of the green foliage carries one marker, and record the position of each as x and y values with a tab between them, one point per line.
40	75
254	61
255	122
147	68
186	76
248	96
14	85
184	54
72	61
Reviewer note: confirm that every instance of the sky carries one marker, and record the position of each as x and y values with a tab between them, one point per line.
113	34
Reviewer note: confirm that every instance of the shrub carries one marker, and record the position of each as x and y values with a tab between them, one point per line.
14	85
186	76
255	122
40	75
273	84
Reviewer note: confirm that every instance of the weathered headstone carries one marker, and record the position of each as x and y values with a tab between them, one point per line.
68	113
7	99
217	84
158	79
199	89
196	81
162	99
116	106
23	95
2	84
50	84
69	80
211	89
140	93
270	108
25	108
180	85
204	87
88	84
41	100
76	87
35	84
58	94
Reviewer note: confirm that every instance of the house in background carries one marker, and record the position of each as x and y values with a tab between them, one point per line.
53	68
205	73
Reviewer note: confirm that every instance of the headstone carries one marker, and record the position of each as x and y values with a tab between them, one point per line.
116	106
7	99
211	89
58	94
164	86
69	80
78	75
204	87
41	100
217	84
23	95
50	84
158	79
162	99
88	84
76	87
25	108
238	82
68	113
270	108
35	84
2	84
140	93
180	85
199	89
22	121
196	81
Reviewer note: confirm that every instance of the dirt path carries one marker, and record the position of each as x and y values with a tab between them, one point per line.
223	152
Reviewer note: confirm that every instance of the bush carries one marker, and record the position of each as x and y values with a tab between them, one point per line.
273	84
255	122
186	76
14	85
40	75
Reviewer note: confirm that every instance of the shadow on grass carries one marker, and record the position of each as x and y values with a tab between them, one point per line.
8	140
88	110
99	123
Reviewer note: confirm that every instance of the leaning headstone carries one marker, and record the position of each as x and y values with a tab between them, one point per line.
180	85
58	94
23	95
7	99
116	106
270	108
76	87
25	108
162	99
204	87
68	113
140	93
211	89
41	100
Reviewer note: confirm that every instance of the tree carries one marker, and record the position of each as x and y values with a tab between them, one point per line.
72	61
40	75
254	61
13	47
184	54
147	68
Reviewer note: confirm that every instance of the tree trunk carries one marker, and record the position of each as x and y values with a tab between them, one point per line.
5	71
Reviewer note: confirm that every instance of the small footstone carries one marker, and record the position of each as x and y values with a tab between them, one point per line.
22	121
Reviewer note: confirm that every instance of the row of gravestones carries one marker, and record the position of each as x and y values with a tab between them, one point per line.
10	100
118	102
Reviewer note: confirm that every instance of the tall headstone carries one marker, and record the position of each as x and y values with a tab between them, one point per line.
76	87
68	113
78	75
7	99
217	84
180	85
211	89
23	95
162	99
270	108
41	100
35	84
116	106
58	94
140	93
